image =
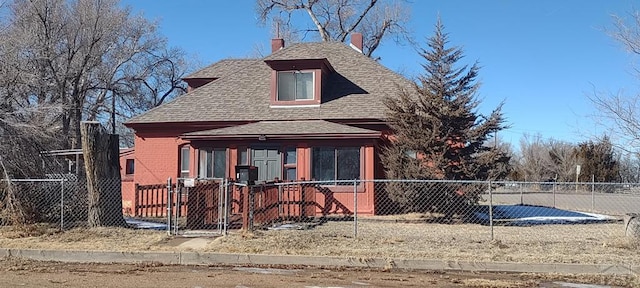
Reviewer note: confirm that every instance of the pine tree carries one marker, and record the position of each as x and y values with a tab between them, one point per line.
437	132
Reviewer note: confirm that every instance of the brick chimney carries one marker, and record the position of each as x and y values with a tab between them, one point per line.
277	44
356	41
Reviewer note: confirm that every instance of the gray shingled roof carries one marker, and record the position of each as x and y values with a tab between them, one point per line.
276	128
220	68
354	91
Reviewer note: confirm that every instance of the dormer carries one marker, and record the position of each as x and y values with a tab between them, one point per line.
298	82
215	71
193	83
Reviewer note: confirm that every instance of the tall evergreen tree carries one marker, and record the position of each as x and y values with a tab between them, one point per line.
438	134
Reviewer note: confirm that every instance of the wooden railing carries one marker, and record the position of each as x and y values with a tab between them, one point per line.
151	201
272	203
200	204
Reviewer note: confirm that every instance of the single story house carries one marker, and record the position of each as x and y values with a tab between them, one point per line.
309	111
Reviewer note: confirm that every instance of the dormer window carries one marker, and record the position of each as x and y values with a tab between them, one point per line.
298	83
295	85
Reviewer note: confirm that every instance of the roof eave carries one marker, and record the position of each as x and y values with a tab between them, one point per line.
285	136
276	63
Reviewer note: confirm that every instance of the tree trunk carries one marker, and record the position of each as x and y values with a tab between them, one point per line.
102	168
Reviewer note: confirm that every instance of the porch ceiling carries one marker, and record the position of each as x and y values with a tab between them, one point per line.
300	129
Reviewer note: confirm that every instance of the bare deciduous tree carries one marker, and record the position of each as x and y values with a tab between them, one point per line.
545	159
562	160
620	113
335	20
534	162
629	167
62	62
149	81
549	159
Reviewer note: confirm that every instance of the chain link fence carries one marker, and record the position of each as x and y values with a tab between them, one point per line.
61	202
542	222
368	207
357	208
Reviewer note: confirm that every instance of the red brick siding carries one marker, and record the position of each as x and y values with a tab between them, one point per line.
157	158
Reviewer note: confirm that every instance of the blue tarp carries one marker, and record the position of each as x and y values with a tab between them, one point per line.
525	215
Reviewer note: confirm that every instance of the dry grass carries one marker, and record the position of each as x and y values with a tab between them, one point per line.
586	244
103	239
592	243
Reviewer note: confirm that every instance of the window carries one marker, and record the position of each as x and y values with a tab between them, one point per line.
290	159
212	163
184	161
243	156
335	163
129	166
295	85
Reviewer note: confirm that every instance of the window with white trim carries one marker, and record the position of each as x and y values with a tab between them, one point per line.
295	85
184	161
212	163
243	156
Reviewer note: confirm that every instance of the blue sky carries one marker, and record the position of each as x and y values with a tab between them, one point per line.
542	58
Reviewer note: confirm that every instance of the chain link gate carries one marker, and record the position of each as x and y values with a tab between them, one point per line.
198	206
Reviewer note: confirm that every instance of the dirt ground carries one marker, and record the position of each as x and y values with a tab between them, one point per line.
592	243
22	273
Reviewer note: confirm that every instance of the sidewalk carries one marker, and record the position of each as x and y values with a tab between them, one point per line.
198	258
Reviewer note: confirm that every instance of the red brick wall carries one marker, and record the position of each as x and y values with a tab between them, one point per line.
156	159
128	189
128	195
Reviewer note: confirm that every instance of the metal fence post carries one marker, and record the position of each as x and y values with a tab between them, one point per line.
554	194
281	196
61	204
491	209
355	208
521	193
221	199
227	191
169	206
177	205
251	206
593	193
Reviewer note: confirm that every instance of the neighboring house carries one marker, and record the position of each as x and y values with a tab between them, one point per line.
311	111
127	165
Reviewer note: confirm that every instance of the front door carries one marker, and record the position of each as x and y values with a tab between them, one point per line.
269	163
